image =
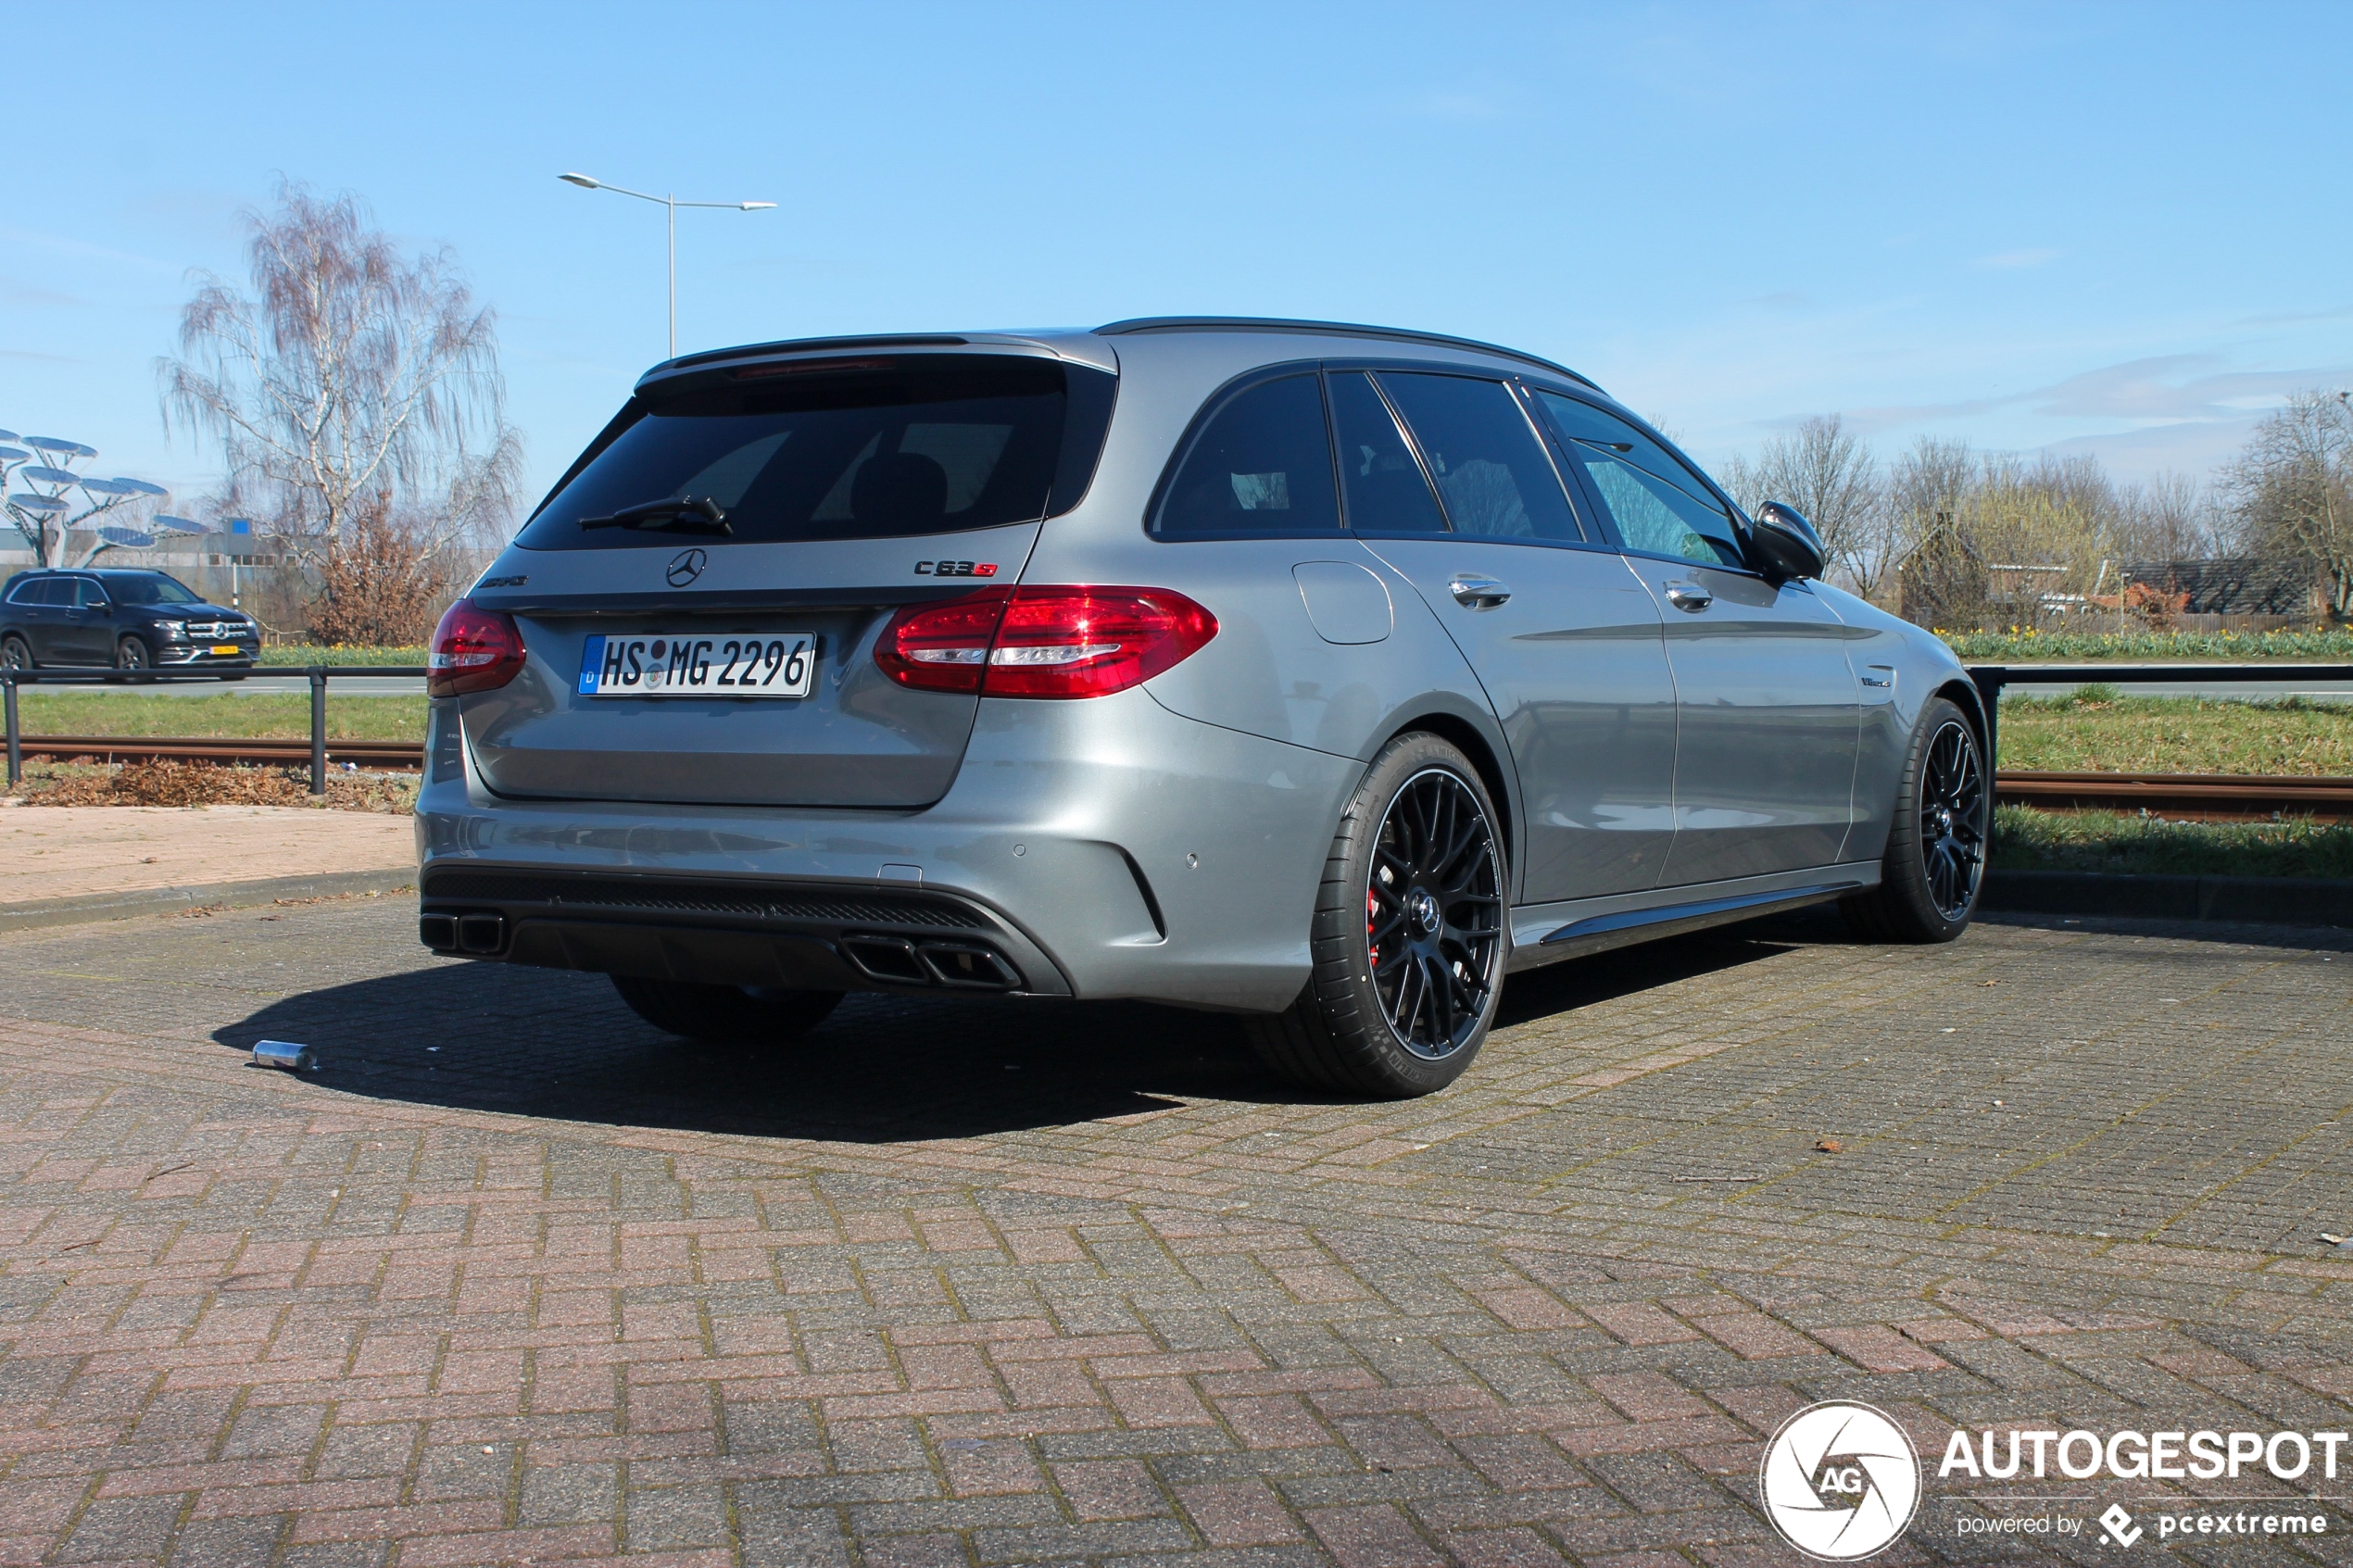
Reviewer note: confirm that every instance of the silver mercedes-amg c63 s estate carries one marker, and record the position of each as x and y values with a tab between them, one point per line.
1323	674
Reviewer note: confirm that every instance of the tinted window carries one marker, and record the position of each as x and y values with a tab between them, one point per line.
147	588
1657	517
1658	505
88	593
1581	422
1261	465
1386	491
913	445
1490	469
29	591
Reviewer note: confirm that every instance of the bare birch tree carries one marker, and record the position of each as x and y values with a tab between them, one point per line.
2293	488
356	401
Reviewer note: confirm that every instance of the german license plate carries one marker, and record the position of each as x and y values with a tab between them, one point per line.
700	664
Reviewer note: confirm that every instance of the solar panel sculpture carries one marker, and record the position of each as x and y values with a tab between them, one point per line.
37	479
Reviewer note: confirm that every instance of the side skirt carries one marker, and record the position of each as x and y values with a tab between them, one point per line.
1546	933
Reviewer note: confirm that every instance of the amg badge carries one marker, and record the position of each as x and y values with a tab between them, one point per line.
955	568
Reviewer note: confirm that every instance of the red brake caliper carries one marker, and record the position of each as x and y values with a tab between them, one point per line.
1372	907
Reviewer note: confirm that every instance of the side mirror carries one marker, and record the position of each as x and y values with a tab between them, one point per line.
1788	543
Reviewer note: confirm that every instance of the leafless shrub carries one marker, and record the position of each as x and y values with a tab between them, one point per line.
2293	490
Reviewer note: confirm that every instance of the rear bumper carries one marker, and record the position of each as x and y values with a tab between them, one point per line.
1098	848
842	936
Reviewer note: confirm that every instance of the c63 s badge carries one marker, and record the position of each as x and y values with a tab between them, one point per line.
955	568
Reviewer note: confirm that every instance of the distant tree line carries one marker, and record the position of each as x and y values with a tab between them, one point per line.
1988	536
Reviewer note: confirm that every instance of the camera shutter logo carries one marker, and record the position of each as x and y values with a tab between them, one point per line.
1840	1481
684	567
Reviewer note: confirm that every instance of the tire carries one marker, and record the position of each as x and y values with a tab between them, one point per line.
726	1014
16	653
1935	862
132	653
1409	926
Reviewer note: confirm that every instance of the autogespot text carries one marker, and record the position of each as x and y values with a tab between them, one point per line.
2143	1456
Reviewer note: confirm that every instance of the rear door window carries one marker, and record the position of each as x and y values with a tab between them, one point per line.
874	448
1386	493
1490	469
1261	465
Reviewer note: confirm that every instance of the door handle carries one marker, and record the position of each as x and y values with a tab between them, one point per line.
1688	596
1478	593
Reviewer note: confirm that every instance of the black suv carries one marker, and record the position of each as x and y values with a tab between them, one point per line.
129	619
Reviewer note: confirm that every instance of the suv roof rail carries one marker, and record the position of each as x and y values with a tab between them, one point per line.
1329	328
800	345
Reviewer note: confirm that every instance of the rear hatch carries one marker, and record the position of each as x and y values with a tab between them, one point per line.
790	507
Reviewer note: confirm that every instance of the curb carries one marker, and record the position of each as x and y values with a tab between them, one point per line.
91	907
2261	900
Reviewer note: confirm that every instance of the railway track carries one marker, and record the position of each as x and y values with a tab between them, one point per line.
2196	796
2209	797
395	756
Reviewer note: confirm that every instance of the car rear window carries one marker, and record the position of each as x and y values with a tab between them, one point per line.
868	448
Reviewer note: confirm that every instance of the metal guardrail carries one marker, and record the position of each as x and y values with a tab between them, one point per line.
318	674
1991	679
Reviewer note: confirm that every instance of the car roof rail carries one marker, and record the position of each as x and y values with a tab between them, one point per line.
1327	329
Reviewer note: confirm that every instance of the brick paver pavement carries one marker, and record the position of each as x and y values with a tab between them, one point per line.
61	851
516	1279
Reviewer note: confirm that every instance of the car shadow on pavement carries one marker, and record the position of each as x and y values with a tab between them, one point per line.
883	1069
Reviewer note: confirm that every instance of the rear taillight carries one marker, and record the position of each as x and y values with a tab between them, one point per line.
1050	642
474	650
941	648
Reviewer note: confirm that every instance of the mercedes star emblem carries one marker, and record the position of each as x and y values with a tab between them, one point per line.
686	566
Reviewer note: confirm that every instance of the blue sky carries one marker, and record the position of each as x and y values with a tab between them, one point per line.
2122	228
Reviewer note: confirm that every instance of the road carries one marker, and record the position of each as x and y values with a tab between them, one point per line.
514	1276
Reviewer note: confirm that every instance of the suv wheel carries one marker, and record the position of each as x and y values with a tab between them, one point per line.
131	654
16	653
1409	936
729	1015
1935	860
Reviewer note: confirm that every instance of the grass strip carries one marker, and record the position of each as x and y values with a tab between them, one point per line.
228	716
2023	645
2027	840
2096	729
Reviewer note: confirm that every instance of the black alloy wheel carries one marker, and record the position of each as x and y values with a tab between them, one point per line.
1953	820
1938	835
16	653
131	654
1434	914
1408	941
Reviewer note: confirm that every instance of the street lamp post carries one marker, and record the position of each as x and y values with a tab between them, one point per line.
673	203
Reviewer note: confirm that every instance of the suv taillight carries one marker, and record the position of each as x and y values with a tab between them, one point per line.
474	650
1050	642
